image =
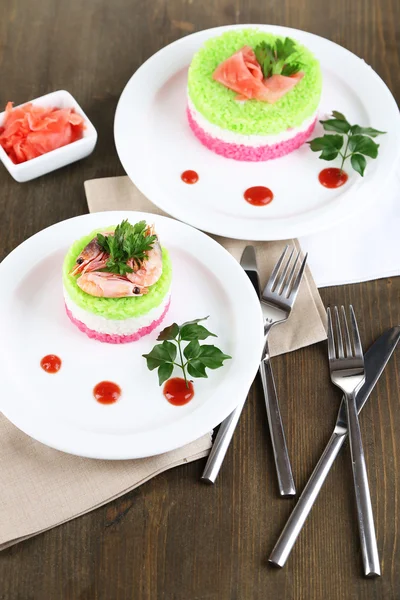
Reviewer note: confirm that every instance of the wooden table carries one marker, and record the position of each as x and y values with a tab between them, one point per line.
175	538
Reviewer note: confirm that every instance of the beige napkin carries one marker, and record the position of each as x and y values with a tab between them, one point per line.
42	488
306	323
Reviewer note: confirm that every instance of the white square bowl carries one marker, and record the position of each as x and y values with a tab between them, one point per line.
55	158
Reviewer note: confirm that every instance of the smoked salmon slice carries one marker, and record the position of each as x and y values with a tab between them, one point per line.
242	73
29	131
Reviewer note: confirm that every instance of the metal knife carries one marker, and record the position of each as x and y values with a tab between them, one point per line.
375	361
228	426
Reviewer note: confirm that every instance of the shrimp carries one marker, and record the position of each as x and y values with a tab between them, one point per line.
95	282
150	269
107	285
92	258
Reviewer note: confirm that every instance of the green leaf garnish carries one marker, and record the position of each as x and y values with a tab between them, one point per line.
212	357
280	58
165	372
197	369
329	154
292	69
370	131
338	115
159	355
265	57
193	331
363	145
171	350
358	162
129	243
327	141
193	358
169	333
192	350
195	321
339	125
356	140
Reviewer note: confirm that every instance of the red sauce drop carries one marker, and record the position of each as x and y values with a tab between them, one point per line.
332	177
190	177
51	363
176	391
106	392
258	195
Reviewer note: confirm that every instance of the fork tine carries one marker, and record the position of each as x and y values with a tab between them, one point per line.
281	282
296	285
331	343
274	274
349	349
286	289
358	351
340	352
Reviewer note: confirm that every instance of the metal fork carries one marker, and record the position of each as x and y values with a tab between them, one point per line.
347	372
277	301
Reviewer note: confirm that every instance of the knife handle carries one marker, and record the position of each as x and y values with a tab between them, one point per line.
305	503
221	445
281	455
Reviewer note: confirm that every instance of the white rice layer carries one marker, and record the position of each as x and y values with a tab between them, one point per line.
117	326
253	141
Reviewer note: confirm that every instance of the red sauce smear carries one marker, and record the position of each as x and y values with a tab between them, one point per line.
51	363
106	392
190	177
258	195
332	177
176	391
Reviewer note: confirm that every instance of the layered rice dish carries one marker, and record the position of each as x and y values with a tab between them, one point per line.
252	95
117	283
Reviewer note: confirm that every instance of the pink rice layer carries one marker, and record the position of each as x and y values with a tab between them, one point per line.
248	153
117	339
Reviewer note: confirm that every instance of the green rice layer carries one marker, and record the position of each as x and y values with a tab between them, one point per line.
114	308
252	117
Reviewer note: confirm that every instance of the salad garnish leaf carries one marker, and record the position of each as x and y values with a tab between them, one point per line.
356	140
129	242
193	358
280	58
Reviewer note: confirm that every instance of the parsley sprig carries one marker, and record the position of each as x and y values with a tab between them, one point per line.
278	58
129	242
192	359
356	141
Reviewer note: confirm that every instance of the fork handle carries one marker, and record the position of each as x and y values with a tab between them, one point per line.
363	499
221	445
298	516
281	455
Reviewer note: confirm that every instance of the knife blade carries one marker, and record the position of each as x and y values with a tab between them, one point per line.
248	262
227	428
375	360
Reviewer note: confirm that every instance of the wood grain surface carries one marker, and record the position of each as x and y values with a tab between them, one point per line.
175	538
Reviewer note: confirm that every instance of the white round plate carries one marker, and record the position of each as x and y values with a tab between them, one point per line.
155	146
60	410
